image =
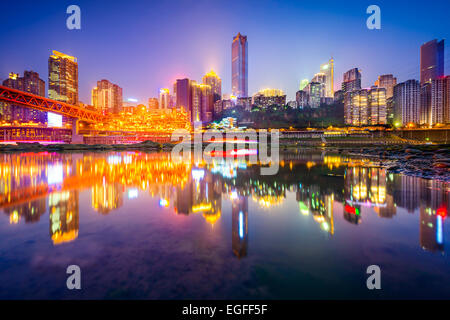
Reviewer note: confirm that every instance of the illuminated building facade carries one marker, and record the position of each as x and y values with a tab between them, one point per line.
202	102
153	103
107	97
239	66
352	80
377	106
63	78
431	61
356	105
388	82
440	101
164	98
328	70
30	82
244	102
268	97
322	79
315	92
302	98
407	103
213	80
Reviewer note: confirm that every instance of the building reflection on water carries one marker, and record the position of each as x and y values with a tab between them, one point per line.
33	184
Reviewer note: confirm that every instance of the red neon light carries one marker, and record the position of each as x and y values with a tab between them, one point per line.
350	209
442	211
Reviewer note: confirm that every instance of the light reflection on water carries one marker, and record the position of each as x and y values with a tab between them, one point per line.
142	225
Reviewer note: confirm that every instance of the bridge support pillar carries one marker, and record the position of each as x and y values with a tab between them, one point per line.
76	138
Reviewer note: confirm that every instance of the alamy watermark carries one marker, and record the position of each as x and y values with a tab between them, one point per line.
374	280
374	20
74	20
208	147
74	280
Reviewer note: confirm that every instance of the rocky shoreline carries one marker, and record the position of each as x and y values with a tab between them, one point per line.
426	161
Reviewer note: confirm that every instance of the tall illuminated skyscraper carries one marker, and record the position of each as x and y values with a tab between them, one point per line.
213	80
63	78
328	70
239	66
387	81
164	98
352	80
431	61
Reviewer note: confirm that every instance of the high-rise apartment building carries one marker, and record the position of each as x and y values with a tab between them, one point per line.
431	61
107	97
63	78
440	101
356	108
30	82
387	81
239	66
352	80
377	106
202	102
407	103
365	107
213	80
328	70
315	92
302	98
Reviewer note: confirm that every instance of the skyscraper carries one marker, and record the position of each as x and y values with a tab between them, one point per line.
301	97
407	102
440	107
328	70
356	107
107	97
202	102
182	87
239	66
164	98
30	82
63	78
431	61
352	80
213	80
377	106
387	81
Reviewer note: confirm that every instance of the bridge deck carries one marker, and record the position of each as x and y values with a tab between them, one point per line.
44	104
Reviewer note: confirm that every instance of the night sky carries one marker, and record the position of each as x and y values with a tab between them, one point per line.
145	45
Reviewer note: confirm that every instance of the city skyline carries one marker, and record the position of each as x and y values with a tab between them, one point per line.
272	64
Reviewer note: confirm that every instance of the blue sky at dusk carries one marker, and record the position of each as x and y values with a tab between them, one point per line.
145	45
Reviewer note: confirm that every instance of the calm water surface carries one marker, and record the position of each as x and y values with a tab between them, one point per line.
142	225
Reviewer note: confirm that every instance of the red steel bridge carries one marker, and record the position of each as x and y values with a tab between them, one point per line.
44	104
